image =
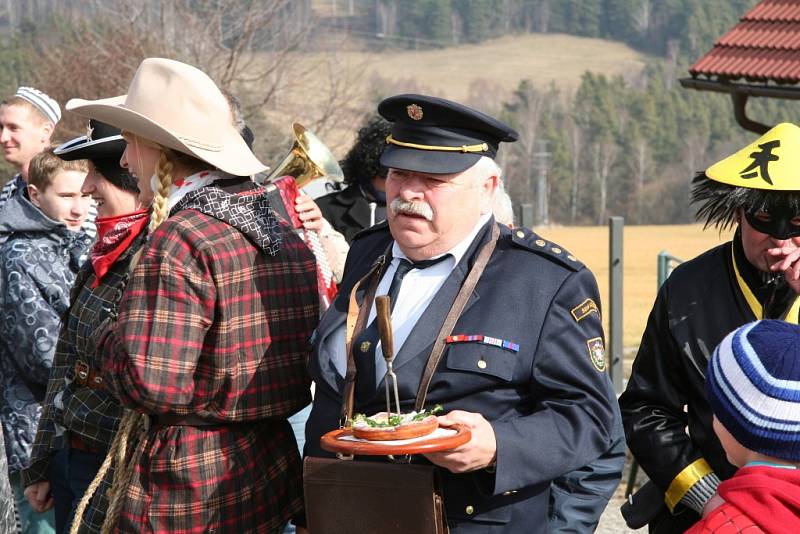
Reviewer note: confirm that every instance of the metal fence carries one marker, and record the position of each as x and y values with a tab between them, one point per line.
666	263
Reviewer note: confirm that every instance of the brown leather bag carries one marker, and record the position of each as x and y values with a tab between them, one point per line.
344	496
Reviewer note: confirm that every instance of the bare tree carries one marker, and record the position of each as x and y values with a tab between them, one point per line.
673	52
386	11
576	148
642	17
604	155
486	95
239	44
542	16
265	52
639	165
696	149
527	106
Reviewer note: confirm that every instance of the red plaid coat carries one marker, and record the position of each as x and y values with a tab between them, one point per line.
212	325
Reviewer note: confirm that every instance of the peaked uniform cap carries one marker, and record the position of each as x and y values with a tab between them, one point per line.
771	163
438	136
177	106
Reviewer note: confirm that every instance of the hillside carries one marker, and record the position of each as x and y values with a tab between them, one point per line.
542	58
482	74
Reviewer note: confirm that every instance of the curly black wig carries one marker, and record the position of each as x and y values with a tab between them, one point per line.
362	163
719	203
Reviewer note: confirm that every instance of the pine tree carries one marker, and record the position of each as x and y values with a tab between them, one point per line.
477	16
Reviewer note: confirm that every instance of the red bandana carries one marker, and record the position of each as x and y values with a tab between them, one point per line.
114	236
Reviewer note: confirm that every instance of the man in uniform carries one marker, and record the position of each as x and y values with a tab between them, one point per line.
524	367
753	276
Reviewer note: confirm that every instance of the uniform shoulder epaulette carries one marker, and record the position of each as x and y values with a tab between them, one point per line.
530	240
383	225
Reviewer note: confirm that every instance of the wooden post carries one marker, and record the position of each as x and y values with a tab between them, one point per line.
615	248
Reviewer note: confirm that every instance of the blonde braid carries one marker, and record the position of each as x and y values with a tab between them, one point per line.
160	199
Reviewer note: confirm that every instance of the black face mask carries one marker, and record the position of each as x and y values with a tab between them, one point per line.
779	224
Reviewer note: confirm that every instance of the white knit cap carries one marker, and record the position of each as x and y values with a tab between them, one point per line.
42	102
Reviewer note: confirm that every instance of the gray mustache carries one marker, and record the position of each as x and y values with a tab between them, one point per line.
422	209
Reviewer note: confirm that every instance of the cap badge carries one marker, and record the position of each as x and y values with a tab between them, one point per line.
89	131
414	111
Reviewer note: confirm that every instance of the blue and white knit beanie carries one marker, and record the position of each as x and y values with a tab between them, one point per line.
753	386
42	102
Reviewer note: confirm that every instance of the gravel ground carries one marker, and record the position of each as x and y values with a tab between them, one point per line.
611	522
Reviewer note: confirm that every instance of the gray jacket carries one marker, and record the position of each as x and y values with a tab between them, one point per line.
38	262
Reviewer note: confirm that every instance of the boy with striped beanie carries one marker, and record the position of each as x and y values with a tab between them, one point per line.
753	387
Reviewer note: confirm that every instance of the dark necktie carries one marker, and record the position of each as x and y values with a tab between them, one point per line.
364	344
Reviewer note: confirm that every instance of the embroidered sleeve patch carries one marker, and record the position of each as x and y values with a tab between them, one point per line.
597	353
585	308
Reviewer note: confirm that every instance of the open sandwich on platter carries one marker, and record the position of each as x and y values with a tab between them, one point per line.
385	427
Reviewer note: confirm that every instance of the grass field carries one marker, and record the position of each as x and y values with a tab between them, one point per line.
641	245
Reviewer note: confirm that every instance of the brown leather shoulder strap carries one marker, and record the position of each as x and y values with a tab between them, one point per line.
357	317
455	312
356	322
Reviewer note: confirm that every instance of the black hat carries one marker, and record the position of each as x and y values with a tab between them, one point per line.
438	136
103	145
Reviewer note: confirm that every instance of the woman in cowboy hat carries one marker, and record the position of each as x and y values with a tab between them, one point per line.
211	337
77	405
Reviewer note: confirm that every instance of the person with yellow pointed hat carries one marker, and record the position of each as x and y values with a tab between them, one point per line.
668	421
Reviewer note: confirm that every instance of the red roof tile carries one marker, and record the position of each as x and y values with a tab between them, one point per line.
775	10
764	46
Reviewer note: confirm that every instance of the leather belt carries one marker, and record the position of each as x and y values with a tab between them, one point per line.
171	419
86	377
75	442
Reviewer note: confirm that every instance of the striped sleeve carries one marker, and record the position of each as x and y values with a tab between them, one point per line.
692	487
698	495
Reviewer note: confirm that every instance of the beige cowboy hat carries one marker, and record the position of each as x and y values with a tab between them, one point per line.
179	107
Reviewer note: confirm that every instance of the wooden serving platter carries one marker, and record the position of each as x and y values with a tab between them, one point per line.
442	439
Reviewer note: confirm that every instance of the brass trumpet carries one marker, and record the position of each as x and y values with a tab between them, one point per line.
308	160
